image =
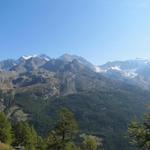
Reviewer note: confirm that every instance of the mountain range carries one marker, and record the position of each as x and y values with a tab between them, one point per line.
103	98
135	72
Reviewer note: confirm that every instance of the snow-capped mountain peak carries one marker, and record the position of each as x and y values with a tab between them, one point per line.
135	71
25	57
45	57
42	56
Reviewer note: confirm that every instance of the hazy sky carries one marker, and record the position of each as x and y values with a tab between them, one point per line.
99	30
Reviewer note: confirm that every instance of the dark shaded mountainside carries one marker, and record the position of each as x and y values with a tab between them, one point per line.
35	87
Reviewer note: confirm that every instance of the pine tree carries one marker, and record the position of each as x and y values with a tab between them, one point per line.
91	142
5	129
64	131
41	144
140	133
25	136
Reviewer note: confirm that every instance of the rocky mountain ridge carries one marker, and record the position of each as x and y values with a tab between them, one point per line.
135	72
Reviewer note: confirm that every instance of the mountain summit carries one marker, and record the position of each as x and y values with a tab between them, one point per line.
133	72
136	72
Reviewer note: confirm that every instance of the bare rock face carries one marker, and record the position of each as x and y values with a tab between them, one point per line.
6	65
2	106
16	114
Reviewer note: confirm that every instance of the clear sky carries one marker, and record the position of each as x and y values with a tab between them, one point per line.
99	30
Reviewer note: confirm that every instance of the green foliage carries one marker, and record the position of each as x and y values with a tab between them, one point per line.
140	133
66	126
64	131
62	137
105	113
25	136
71	146
5	129
41	144
91	143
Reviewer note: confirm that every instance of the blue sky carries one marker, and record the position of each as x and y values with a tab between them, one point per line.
99	30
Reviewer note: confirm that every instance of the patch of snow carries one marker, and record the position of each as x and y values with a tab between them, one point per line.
115	68
38	56
102	70
147	61
131	73
99	70
47	59
29	57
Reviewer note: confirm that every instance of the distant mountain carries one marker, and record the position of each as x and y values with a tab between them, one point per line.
135	72
26	64
70	74
7	64
42	57
70	58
